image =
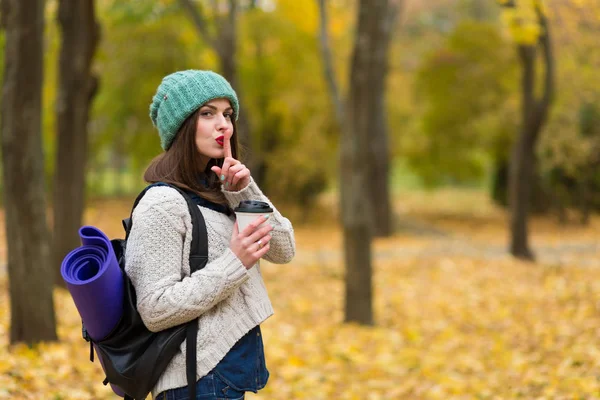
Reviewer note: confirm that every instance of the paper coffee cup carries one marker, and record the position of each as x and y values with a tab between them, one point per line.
249	210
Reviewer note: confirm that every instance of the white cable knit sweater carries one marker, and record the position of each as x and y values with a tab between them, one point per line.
229	299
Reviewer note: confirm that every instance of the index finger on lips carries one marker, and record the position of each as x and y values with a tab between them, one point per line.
227	147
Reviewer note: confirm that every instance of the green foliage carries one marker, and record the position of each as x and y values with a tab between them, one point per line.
144	41
287	101
589	120
571	139
522	18
464	89
452	97
141	43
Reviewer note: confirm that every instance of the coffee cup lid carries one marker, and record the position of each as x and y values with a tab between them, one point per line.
253	206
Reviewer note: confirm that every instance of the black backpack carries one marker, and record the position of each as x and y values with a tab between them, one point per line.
132	356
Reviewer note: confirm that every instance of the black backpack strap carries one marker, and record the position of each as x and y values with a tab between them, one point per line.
190	357
199	246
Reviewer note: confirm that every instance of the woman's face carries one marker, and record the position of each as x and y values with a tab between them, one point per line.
213	127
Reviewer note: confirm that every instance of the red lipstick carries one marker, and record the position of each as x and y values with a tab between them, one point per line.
220	140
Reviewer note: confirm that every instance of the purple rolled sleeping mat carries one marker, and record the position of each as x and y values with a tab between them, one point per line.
95	281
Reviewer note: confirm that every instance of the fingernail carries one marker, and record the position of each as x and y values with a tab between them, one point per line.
226	184
222	177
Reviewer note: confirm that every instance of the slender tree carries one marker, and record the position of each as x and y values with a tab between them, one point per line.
77	86
328	69
534	110
29	270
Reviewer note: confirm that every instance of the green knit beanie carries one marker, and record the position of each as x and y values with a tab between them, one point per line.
183	92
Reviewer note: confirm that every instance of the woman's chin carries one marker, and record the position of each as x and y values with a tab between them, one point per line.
212	153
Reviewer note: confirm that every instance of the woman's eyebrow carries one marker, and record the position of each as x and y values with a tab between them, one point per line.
215	108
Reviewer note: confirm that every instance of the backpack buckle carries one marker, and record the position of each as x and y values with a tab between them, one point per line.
87	338
127	224
85	334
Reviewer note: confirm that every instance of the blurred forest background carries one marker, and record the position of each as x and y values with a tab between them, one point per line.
459	95
453	91
452	96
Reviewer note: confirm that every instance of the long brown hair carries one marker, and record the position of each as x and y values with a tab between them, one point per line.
181	165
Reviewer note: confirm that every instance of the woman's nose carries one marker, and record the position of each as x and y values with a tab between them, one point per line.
221	122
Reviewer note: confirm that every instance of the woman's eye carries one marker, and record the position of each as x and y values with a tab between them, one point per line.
227	115
206	113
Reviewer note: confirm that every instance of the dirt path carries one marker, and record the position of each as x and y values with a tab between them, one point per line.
582	254
419	239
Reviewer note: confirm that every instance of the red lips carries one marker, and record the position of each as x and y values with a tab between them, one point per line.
220	140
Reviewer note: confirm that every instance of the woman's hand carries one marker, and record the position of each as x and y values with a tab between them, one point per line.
252	243
234	175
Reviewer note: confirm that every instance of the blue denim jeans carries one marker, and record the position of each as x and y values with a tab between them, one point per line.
210	387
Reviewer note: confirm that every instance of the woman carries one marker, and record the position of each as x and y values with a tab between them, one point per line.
195	113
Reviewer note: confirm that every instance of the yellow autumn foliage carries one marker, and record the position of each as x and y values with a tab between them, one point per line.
522	20
456	318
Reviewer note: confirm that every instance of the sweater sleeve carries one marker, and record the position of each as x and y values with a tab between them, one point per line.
283	244
157	262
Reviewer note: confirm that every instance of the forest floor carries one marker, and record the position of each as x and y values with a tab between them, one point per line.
455	316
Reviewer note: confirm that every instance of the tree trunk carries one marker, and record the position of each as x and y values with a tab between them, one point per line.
376	33
379	182
29	270
534	113
357	136
77	86
379	38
